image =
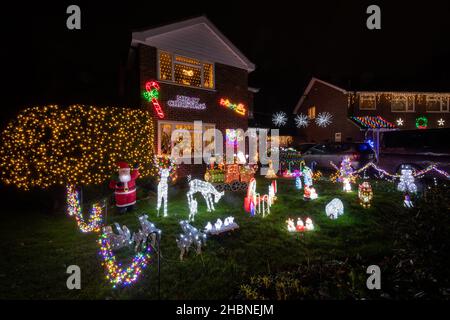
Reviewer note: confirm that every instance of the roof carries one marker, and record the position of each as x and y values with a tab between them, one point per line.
373	122
311	84
195	38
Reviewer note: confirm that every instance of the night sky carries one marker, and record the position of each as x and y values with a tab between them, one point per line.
44	62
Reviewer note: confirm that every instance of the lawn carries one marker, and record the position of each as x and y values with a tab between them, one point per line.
36	248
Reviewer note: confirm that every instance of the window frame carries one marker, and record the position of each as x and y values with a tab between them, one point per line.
368	95
315	113
441	104
406	105
201	65
160	123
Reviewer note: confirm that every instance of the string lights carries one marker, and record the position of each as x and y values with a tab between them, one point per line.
77	145
365	194
334	209
94	221
239	108
117	274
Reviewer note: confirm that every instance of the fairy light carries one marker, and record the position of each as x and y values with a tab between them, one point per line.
365	194
78	145
94	222
116	273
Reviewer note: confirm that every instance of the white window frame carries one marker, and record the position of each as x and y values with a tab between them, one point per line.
173	56
444	105
407	104
172	123
373	95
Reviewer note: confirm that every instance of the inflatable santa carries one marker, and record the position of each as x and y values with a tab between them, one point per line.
125	187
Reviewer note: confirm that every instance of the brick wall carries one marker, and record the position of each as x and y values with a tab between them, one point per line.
230	82
327	99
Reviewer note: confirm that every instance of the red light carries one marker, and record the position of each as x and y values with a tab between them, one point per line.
153	85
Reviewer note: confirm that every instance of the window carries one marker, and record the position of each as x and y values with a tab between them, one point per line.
437	104
165	129
402	103
312	112
367	102
186	71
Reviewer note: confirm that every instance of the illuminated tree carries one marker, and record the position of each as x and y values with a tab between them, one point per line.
77	145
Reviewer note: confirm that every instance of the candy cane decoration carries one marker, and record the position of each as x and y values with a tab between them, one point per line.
151	94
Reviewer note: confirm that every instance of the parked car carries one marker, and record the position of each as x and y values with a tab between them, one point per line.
320	155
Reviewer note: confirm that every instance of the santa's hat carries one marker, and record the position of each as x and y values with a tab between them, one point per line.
122	165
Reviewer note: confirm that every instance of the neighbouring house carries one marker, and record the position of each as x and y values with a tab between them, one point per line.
357	115
201	76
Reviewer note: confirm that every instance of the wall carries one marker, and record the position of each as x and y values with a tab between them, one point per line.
327	99
230	82
383	108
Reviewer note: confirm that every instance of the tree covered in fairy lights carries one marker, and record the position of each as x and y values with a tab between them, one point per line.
79	145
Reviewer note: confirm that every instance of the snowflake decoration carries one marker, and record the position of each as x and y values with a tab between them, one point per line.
399	121
323	119
279	119
301	120
441	122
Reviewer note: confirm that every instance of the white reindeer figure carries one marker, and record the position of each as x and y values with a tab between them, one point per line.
162	190
207	190
192	209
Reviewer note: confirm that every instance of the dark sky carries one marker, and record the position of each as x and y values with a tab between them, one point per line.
289	42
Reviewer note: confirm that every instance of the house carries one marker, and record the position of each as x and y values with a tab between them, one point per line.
200	74
356	115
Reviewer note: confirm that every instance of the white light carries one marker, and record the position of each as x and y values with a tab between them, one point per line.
399	121
323	119
279	119
191	236
309	224
207	190
162	190
334	208
219	227
346	185
406	183
301	120
441	122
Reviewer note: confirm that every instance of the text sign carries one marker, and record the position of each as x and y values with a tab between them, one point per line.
186	103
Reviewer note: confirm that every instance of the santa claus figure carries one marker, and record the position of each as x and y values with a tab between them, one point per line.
125	188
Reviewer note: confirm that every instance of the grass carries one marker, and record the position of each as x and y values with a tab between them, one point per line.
36	249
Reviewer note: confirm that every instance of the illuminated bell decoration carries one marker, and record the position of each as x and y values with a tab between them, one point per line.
365	194
334	208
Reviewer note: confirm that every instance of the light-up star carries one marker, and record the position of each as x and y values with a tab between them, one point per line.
399	121
441	122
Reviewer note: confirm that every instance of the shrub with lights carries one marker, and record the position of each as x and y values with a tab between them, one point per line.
77	145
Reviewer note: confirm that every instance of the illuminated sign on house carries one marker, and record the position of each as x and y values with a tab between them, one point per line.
186	103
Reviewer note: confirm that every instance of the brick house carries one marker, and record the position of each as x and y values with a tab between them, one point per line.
202	76
355	114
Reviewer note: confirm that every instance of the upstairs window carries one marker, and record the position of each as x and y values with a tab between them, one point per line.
186	71
312	112
437	103
367	102
402	103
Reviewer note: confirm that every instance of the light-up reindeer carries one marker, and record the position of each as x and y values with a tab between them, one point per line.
207	190
162	190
